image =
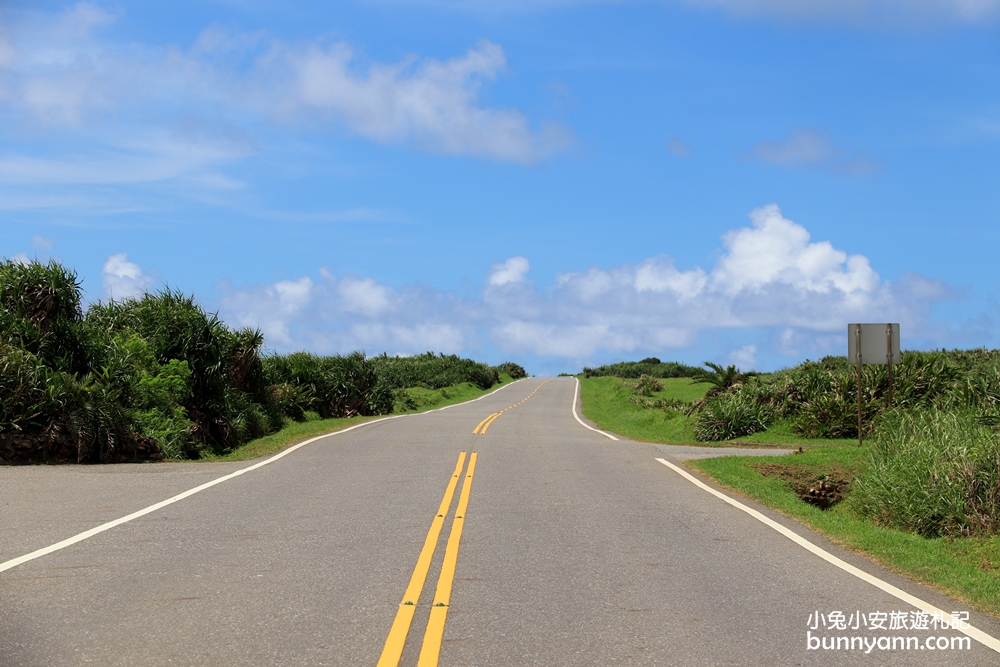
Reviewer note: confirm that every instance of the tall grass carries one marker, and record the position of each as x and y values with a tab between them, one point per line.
733	414
819	398
932	472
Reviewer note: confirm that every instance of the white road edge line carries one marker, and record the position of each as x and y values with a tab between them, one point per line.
96	530
974	633
576	394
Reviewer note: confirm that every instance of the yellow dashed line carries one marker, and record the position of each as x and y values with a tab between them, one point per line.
485	424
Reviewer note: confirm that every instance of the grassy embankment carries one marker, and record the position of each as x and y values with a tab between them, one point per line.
966	568
608	402
293	432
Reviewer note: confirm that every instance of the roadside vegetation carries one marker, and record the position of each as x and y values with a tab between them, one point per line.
922	496
409	400
157	377
651	366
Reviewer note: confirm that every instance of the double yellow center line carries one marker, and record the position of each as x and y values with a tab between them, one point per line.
485	424
433	636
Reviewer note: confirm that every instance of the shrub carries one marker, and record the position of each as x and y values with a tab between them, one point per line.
24	399
650	366
226	373
515	371
670	405
720	378
337	386
933	473
732	415
646	386
433	371
290	400
40	312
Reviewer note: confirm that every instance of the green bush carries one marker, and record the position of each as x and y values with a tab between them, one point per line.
226	373
433	371
25	401
337	386
731	415
40	312
820	397
646	386
515	371
931	472
650	366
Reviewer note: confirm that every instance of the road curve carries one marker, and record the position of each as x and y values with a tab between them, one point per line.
574	549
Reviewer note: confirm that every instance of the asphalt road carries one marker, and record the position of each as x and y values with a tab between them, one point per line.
575	550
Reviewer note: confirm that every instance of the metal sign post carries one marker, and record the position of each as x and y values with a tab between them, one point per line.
871	337
857	339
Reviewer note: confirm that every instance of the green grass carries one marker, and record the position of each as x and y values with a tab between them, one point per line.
681	388
965	569
427	399
781	433
606	402
293	432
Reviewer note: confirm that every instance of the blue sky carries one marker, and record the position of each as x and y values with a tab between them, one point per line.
557	183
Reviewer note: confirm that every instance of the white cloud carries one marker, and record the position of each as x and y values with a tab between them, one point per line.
57	73
123	279
511	271
271	308
745	357
431	103
343	314
778	251
364	297
165	156
811	147
770	275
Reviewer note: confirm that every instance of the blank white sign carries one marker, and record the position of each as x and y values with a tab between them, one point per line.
877	342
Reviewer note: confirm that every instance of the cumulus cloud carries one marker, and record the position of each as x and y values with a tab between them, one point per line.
770	276
511	271
338	314
811	147
274	309
123	279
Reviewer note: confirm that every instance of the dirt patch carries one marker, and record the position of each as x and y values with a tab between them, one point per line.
823	488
